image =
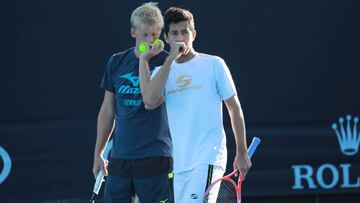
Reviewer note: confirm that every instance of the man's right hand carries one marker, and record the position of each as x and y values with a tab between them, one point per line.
153	50
177	49
99	164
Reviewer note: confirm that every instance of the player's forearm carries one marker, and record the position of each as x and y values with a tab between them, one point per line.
238	125
152	90
105	126
144	76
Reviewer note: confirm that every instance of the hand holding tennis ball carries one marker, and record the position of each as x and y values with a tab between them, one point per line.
144	46
148	50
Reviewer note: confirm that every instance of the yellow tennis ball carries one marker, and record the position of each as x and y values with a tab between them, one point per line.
158	41
143	47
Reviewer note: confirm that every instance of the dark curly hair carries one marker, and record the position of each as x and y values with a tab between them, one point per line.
176	15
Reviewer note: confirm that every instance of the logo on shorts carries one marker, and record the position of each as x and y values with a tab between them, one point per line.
164	201
194	196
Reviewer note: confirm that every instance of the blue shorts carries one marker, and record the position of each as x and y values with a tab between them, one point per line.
150	178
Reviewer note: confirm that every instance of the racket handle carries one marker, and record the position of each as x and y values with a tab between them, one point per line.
99	180
100	175
254	143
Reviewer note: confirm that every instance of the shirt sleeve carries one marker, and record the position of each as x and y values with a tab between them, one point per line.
153	73
224	81
106	82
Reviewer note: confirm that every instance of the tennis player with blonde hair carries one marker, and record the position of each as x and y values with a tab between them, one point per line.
141	158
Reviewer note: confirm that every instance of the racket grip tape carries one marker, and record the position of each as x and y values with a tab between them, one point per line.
255	142
99	180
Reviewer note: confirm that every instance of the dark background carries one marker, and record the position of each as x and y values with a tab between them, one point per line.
295	64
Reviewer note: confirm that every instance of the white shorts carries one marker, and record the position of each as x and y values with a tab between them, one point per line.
190	186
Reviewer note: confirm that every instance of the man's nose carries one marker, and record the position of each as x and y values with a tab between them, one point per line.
150	39
179	38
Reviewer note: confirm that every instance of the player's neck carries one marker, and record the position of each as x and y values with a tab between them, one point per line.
137	52
186	57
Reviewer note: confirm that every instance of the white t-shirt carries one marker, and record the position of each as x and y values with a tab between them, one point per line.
193	95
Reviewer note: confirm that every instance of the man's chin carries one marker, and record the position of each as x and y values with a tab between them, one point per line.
185	53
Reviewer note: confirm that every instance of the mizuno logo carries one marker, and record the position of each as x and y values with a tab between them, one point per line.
127	89
133	79
348	136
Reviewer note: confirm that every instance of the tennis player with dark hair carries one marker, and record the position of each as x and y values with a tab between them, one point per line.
194	86
141	158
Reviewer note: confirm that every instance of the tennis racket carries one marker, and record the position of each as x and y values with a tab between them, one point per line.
100	176
225	189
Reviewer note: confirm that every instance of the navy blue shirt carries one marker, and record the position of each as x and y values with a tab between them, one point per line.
139	133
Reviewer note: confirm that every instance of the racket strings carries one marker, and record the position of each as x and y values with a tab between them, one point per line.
227	193
222	192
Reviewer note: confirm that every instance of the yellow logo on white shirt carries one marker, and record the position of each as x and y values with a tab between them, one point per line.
183	82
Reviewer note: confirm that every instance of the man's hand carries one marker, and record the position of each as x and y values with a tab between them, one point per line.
242	163
176	50
153	50
99	164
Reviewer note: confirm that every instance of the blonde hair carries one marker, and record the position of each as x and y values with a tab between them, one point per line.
148	13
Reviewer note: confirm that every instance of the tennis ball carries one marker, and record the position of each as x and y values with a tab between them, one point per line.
143	47
158	41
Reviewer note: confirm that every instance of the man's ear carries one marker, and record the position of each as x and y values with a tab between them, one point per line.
133	32
193	34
